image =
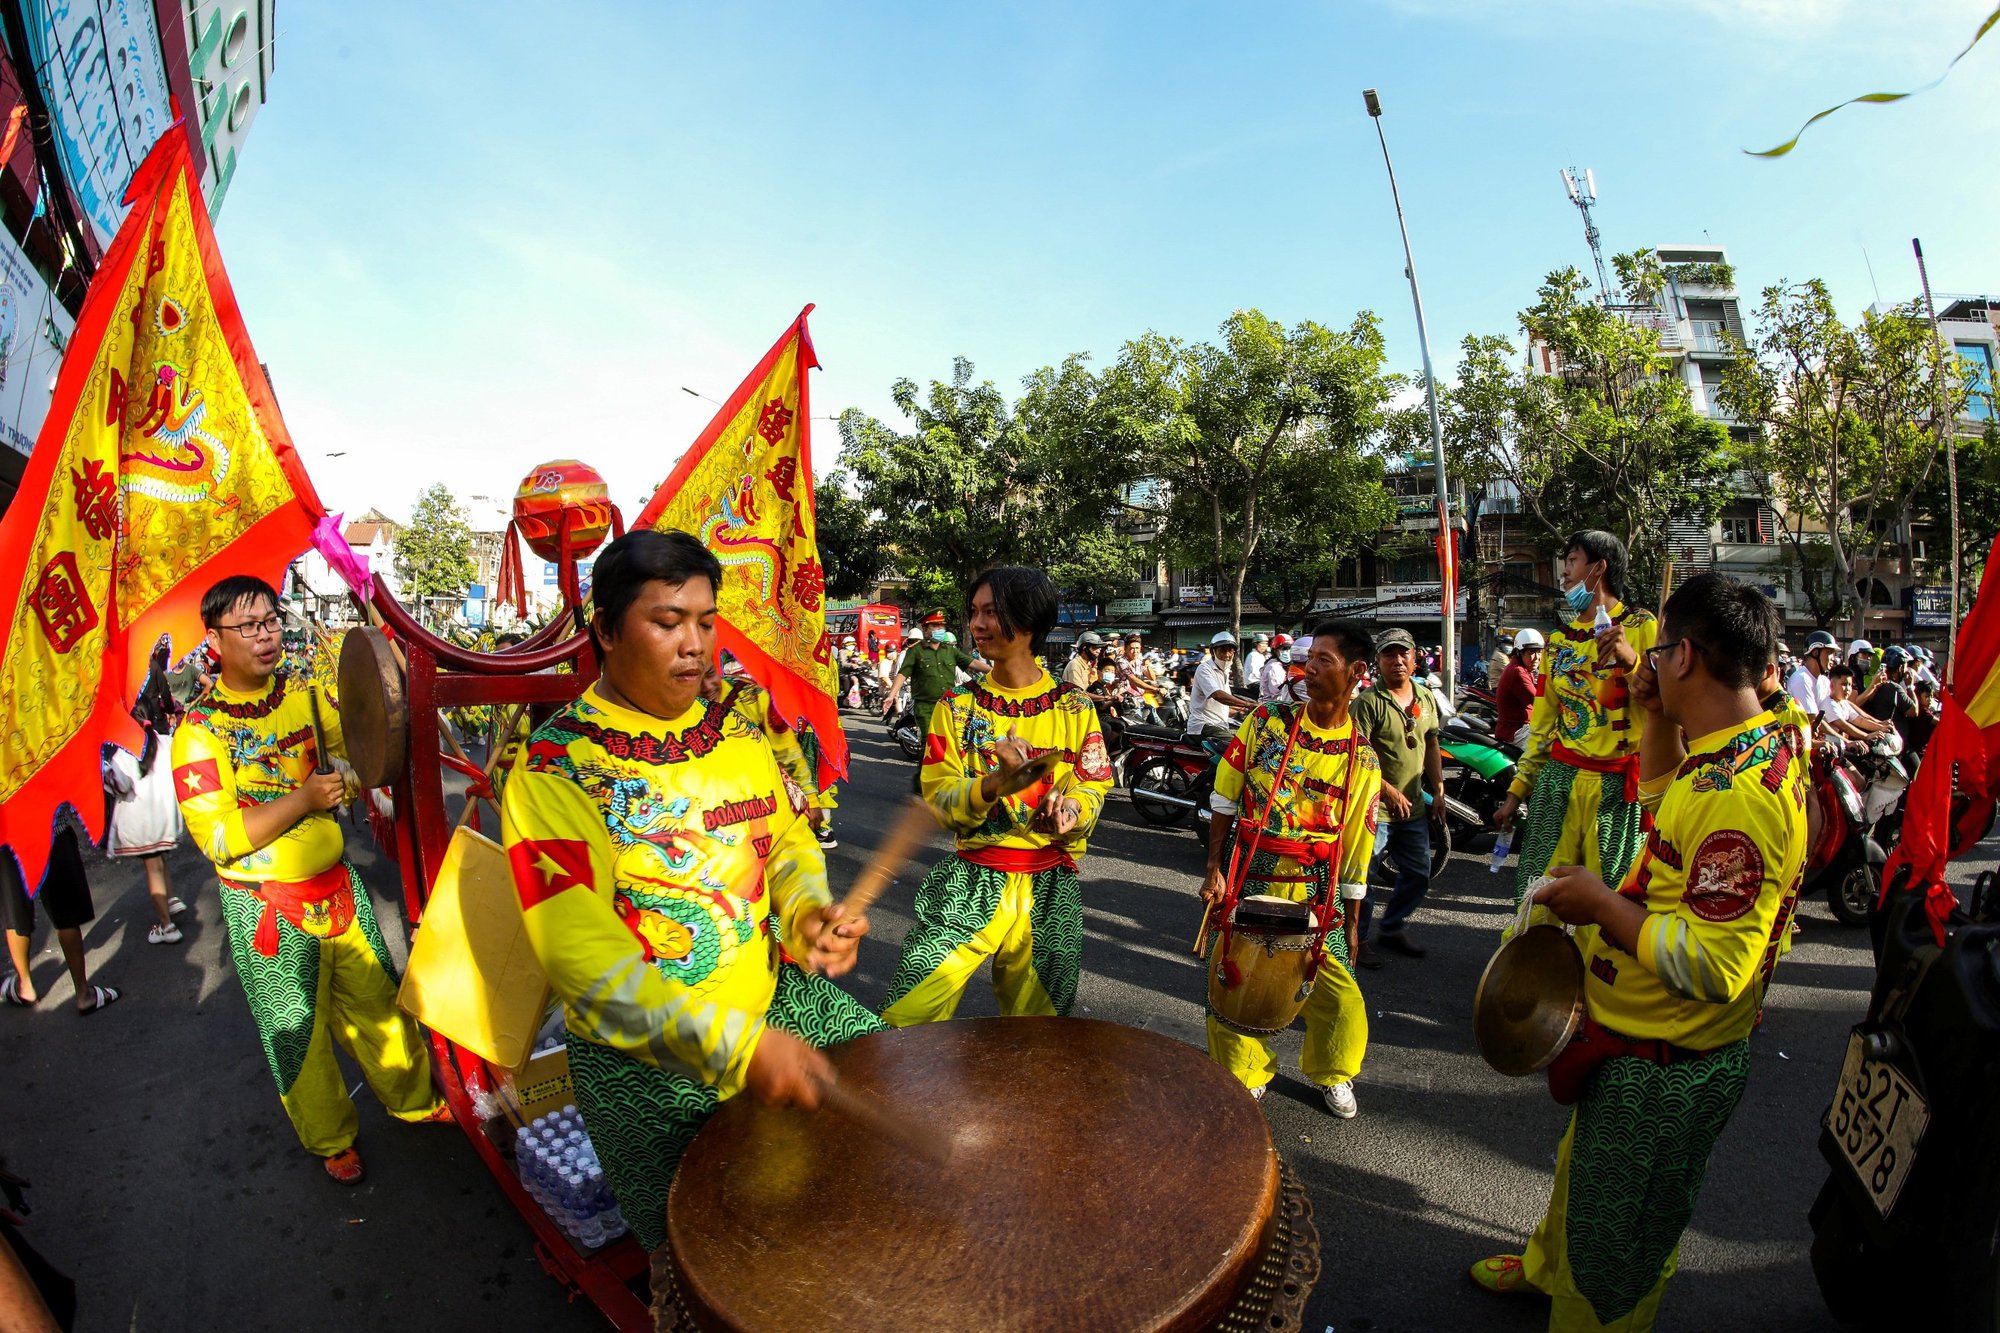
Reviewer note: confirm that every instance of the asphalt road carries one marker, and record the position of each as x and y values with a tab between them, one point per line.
167	1180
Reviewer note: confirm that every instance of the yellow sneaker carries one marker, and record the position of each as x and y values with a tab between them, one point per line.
1503	1273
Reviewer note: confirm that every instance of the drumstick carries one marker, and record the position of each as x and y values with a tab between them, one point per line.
321	763
1201	936
871	1114
912	826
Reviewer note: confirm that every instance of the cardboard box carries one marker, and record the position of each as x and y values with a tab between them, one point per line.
472	976
540	1087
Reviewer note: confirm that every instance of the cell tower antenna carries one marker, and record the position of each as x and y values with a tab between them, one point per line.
1582	189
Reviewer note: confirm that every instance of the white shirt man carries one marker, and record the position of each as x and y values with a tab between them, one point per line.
1808	683
1210	700
1255	660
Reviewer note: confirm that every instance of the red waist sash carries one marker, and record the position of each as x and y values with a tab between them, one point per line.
1298	849
1019	860
293	897
1626	768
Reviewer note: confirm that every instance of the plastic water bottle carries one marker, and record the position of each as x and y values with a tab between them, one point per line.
1602	622
1501	846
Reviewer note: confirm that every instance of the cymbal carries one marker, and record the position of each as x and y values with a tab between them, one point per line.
1530	1000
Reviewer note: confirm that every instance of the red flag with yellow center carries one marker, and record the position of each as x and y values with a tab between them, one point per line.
1951	800
162	466
745	488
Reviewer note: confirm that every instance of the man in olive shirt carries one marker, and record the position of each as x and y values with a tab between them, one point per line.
1399	716
930	667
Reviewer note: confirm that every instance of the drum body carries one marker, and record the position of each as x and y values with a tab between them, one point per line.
1259	983
1101	1177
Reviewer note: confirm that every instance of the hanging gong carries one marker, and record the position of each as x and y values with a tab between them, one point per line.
374	707
1530	1000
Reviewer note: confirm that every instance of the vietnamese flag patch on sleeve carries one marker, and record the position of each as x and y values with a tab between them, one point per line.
544	867
200	778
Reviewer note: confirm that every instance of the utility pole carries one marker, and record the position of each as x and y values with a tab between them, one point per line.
1582	188
1447	550
1948	436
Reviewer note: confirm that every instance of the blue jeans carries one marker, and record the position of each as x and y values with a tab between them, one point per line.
1405	844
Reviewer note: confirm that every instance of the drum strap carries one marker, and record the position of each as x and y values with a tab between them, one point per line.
1260	839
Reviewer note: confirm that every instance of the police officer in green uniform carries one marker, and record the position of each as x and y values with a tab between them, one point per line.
930	668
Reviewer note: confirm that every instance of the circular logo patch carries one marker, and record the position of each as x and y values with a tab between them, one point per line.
1725	877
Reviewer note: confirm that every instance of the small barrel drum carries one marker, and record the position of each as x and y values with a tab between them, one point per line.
1258	985
1101	1177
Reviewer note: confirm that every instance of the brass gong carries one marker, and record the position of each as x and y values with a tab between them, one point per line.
374	707
1530	1000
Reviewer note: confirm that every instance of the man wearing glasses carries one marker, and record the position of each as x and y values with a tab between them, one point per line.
301	928
1676	962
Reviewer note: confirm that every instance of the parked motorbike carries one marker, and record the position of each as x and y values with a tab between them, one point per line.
1479	767
1476	701
1170	777
1857	797
1906	1229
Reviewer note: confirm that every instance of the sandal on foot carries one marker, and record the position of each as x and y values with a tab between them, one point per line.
175	906
101	995
167	934
10	991
438	1115
1503	1274
344	1167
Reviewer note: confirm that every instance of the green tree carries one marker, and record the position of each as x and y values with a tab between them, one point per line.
1306	537
1850	420
1226	426
434	553
1599	430
979	483
851	546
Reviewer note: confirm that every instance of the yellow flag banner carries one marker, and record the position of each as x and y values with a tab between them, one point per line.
745	488
162	466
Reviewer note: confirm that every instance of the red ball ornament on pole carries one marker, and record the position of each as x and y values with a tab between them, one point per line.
562	510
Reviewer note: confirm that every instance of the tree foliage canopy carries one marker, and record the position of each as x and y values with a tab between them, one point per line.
434	553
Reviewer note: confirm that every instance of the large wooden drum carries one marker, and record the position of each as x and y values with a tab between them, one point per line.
1102	1177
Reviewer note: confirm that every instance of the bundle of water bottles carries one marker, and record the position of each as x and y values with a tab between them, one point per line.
560	1169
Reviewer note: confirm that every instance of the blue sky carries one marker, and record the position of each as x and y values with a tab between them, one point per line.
468	238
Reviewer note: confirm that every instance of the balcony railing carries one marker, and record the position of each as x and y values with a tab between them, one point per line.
1713	337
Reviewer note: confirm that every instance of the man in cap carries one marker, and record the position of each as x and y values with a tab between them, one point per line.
1398	716
1211	706
1517	688
1496	665
1807	685
931	667
1254	660
1082	669
1271	680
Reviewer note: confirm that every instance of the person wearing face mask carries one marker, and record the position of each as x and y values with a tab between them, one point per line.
1579	770
1083	663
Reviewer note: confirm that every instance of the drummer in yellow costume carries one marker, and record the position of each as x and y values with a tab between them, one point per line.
1009	892
1317	822
1579	771
302	931
1676	966
670	886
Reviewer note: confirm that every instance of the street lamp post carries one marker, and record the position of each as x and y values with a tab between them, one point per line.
1449	608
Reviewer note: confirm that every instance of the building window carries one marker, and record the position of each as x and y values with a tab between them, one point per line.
1978	359
1739	528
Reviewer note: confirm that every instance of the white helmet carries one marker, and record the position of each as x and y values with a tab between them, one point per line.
1860	646
1223	639
1527	638
912	634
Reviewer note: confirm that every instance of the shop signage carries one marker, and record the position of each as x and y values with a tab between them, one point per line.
1076	613
33	331
1118	608
1930	608
106	86
1198	595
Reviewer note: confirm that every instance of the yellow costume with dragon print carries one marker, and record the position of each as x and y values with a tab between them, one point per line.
1719	879
1325	763
1009	892
663	870
1579	770
302	930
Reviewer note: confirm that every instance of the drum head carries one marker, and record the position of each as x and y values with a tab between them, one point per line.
1530	1000
1102	1177
1265	911
374	707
